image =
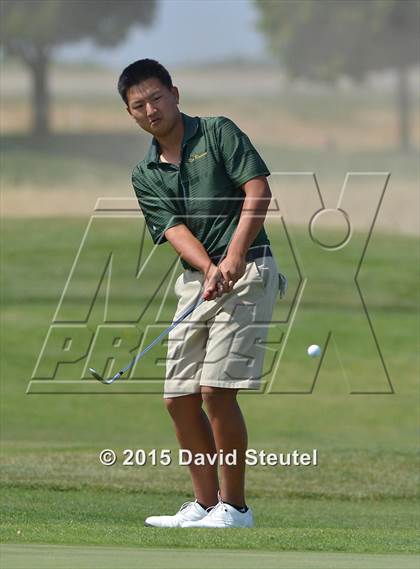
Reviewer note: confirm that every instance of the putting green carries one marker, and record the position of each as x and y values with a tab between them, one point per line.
15	556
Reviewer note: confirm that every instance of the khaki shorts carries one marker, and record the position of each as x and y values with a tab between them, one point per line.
221	344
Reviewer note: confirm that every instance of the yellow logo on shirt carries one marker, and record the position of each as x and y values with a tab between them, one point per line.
196	156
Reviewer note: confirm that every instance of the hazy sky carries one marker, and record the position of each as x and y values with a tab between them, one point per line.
186	31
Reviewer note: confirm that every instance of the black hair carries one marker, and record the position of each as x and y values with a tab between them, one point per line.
140	71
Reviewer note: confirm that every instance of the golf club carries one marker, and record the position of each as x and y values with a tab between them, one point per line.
186	313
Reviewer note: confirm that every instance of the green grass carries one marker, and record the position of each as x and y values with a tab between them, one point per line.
362	496
333	165
92	516
58	557
79	160
92	160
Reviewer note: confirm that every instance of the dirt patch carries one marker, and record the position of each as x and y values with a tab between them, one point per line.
296	198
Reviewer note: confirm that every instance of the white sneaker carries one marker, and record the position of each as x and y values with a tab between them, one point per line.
189	511
223	516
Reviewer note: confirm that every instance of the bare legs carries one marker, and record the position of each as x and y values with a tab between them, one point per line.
194	433
223	428
230	434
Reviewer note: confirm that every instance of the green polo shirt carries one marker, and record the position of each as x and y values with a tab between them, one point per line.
204	192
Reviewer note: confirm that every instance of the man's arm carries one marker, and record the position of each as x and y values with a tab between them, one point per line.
193	251
254	211
188	246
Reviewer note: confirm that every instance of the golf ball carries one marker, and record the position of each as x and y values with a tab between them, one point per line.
314	351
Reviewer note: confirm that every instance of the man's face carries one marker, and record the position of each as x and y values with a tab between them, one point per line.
153	106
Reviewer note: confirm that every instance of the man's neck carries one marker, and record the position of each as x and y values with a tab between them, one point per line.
170	144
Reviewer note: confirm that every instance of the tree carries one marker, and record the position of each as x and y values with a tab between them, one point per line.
323	39
31	29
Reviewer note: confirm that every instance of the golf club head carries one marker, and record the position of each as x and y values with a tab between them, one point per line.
101	379
186	313
96	375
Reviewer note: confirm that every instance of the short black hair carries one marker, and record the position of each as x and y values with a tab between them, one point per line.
140	71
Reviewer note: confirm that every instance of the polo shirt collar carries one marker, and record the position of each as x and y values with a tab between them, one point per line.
190	129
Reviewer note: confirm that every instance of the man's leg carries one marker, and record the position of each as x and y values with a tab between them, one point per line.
194	433
230	433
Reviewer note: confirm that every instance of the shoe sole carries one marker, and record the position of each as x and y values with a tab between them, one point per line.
152	526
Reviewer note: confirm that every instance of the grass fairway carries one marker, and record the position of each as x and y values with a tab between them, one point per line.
57	557
111	517
357	508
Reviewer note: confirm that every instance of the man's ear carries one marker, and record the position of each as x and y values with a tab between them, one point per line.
130	113
175	92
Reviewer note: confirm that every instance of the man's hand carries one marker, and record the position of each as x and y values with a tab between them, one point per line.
213	285
222	278
232	268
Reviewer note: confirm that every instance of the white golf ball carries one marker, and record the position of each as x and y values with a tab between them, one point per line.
314	351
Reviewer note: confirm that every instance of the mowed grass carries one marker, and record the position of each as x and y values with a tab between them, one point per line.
103	161
27	556
99	517
360	498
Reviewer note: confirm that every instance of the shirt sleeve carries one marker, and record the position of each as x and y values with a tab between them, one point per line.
242	161
159	213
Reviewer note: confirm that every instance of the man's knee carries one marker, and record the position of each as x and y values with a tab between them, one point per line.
183	405
218	400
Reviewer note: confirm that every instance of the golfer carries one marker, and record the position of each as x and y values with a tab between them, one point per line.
203	187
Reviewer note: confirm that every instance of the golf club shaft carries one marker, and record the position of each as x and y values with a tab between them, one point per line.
182	317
